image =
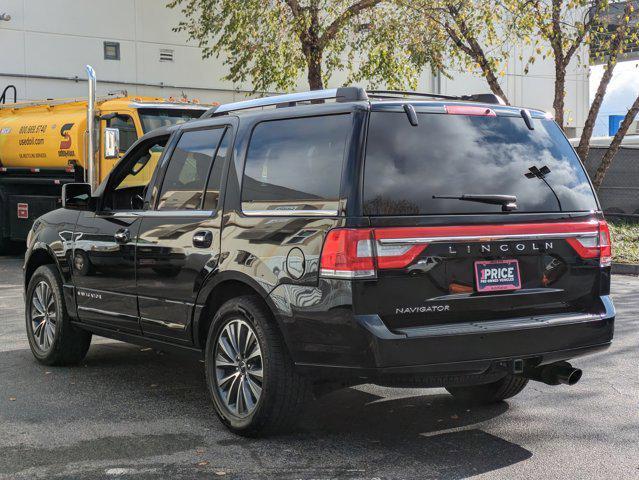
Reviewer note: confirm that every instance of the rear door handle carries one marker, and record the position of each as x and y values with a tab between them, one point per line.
123	235
203	239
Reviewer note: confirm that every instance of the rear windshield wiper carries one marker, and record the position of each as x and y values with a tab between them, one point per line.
507	202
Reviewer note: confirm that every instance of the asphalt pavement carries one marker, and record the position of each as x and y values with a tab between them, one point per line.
130	412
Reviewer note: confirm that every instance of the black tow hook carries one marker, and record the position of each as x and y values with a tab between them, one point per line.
554	374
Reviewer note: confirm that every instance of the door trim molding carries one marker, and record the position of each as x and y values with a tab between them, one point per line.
108	313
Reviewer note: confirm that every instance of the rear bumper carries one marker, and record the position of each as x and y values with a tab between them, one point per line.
467	348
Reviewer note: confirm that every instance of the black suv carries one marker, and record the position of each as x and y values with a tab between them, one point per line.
309	241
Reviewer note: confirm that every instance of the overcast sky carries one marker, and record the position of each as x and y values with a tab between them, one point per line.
622	91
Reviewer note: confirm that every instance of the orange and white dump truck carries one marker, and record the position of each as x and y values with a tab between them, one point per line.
45	144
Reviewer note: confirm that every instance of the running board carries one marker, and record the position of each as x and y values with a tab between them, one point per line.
141	340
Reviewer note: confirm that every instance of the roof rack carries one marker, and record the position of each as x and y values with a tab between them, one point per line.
477	97
395	93
343	94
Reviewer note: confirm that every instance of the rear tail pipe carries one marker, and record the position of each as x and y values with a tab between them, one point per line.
554	374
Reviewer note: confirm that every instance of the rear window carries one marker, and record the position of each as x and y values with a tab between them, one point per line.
452	155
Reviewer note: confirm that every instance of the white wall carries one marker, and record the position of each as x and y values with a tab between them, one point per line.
56	38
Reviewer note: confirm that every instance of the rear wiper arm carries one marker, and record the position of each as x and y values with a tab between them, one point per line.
507	202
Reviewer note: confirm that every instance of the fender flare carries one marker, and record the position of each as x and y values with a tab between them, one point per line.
67	288
40	246
218	278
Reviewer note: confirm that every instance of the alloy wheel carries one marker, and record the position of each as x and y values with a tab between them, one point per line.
238	367
43	316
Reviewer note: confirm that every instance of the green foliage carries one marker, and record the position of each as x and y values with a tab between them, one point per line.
625	241
473	36
259	42
556	28
478	23
395	55
272	44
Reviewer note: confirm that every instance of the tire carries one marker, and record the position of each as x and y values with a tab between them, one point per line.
5	246
506	387
58	343
283	391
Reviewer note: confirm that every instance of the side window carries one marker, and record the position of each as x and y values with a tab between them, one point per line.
189	169
128	134
142	170
131	179
295	164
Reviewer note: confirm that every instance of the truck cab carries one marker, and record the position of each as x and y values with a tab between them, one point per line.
47	144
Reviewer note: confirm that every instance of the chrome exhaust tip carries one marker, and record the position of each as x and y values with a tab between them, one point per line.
559	373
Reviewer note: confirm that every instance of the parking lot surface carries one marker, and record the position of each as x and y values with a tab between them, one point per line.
130	412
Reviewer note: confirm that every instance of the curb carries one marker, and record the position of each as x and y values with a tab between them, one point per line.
625	269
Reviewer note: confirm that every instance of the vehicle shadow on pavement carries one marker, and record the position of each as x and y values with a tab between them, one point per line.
127	405
415	426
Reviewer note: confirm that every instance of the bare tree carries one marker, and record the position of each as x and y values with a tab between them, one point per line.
475	35
609	156
614	47
564	27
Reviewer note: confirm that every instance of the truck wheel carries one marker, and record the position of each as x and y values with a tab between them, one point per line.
251	378
506	387
52	338
4	246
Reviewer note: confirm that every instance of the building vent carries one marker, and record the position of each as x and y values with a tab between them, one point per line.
111	50
166	55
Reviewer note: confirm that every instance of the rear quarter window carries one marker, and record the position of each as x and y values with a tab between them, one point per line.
295	164
451	155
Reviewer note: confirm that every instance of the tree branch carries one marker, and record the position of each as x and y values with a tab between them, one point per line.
580	38
294	5
475	51
615	49
556	36
343	19
458	41
609	156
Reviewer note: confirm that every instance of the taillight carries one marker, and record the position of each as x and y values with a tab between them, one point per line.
594	246
348	253
357	253
397	256
605	244
360	252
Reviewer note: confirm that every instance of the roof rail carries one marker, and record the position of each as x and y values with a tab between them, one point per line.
478	97
395	93
343	94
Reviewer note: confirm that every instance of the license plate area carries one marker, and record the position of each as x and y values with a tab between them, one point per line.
497	275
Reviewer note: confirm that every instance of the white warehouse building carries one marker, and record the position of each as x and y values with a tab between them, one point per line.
132	47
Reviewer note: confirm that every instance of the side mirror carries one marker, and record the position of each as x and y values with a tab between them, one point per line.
77	196
111	143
